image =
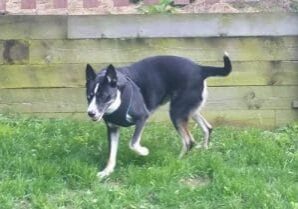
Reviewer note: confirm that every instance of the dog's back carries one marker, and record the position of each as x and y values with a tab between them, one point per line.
162	77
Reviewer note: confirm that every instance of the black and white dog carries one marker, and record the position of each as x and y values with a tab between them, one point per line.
128	95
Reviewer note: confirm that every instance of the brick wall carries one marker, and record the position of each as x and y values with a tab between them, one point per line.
68	6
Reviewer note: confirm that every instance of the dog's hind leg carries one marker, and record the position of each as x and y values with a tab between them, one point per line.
135	141
187	139
206	127
181	125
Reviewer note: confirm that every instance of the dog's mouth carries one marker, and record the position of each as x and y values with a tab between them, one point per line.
96	118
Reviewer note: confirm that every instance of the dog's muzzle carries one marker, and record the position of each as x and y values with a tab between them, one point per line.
94	116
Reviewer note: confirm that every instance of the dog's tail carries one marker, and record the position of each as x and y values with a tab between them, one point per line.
208	71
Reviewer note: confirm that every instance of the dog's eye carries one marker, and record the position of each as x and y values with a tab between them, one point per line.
89	97
109	97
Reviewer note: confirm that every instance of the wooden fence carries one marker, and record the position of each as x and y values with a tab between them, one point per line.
43	59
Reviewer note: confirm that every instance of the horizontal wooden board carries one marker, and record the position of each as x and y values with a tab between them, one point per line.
244	118
33	27
259	118
15	52
43	100
251	97
256	118
135	26
131	50
73	75
37	76
286	116
1	52
263	118
57	115
183	25
220	98
259	73
295	104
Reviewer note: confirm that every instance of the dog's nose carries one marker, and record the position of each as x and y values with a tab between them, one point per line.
91	114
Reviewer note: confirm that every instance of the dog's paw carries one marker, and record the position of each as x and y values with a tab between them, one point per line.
103	174
143	151
202	146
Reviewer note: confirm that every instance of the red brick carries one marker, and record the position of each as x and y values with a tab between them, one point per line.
2	5
90	3
181	2
60	4
28	4
150	2
121	3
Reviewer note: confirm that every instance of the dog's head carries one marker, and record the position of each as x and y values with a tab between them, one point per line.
103	95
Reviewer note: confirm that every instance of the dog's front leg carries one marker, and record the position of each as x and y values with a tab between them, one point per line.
135	141
113	138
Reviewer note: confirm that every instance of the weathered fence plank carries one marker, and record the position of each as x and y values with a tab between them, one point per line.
31	27
73	75
283	117
15	52
251	98
259	73
40	76
43	100
73	99
258	118
1	52
263	118
130	50
186	25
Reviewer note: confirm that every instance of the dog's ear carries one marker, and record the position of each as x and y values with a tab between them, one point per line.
111	75
90	74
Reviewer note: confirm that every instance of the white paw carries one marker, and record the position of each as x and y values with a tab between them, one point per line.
143	151
104	173
202	146
182	153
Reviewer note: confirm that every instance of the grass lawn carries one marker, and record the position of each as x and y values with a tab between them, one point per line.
53	164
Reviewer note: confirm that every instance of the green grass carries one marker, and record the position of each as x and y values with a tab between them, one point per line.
53	164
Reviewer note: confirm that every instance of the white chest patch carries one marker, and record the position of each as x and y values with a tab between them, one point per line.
115	104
